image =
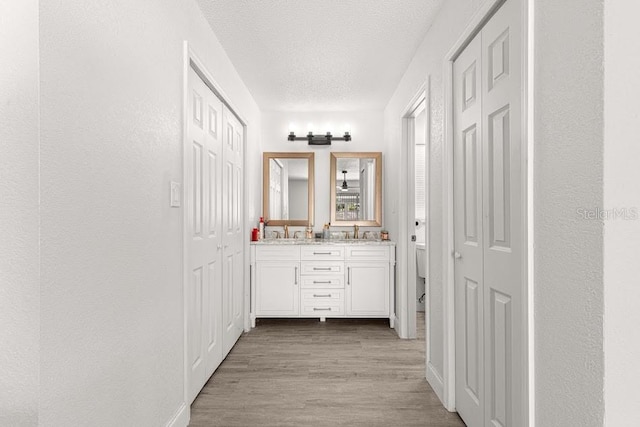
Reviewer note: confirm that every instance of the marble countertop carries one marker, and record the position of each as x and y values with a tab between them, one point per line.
372	242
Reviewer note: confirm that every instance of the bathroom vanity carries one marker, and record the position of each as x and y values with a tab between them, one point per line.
322	279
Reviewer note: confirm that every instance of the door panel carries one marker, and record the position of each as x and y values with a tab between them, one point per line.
503	193
468	236
499	182
194	326
202	204
233	284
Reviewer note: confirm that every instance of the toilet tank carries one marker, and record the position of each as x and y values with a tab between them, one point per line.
421	258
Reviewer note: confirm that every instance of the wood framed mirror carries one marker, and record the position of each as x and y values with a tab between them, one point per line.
356	189
288	188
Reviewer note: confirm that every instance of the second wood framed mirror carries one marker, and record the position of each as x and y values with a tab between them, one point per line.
356	189
288	188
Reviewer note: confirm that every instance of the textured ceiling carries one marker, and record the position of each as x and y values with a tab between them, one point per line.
320	55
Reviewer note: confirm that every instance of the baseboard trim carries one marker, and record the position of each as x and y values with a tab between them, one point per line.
181	417
436	382
399	327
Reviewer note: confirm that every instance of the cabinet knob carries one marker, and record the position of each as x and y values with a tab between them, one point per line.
457	255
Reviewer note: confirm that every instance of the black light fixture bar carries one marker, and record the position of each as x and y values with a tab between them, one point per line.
319	139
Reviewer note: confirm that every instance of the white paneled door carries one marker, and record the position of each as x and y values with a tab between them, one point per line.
232	240
488	224
468	235
213	246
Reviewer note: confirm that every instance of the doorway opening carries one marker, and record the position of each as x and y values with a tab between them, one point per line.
415	141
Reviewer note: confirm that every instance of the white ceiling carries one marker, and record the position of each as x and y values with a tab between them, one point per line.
320	55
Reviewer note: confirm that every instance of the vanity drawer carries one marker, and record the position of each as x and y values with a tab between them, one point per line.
320	267
321	295
325	282
322	308
367	253
277	253
326	310
322	253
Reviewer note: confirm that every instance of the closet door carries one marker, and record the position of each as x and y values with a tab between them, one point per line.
503	199
468	235
488	224
232	240
204	230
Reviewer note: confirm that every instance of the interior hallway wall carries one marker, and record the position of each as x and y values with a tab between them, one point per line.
568	178
367	133
112	128
622	194
19	186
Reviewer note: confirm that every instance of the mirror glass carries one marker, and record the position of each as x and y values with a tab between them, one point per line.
288	188
356	193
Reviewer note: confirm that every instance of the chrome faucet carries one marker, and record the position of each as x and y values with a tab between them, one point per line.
356	229
286	231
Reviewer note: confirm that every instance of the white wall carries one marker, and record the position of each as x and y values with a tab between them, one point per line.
112	105
367	134
568	152
428	61
621	237
19	245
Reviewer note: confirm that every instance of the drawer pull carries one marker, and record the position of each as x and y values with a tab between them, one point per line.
322	253
321	309
322	296
295	276
348	275
315	282
321	268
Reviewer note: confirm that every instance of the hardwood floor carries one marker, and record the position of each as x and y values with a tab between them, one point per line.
301	372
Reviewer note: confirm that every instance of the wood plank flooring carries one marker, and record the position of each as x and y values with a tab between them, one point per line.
301	372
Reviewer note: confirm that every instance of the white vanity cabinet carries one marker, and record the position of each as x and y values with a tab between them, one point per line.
322	280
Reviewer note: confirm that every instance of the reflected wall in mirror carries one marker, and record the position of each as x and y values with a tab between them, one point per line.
287	188
356	189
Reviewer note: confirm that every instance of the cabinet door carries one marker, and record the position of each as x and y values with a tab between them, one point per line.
277	288
367	289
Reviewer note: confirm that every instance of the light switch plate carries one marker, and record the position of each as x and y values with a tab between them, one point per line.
175	194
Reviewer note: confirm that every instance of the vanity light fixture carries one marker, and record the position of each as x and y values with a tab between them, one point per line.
319	139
